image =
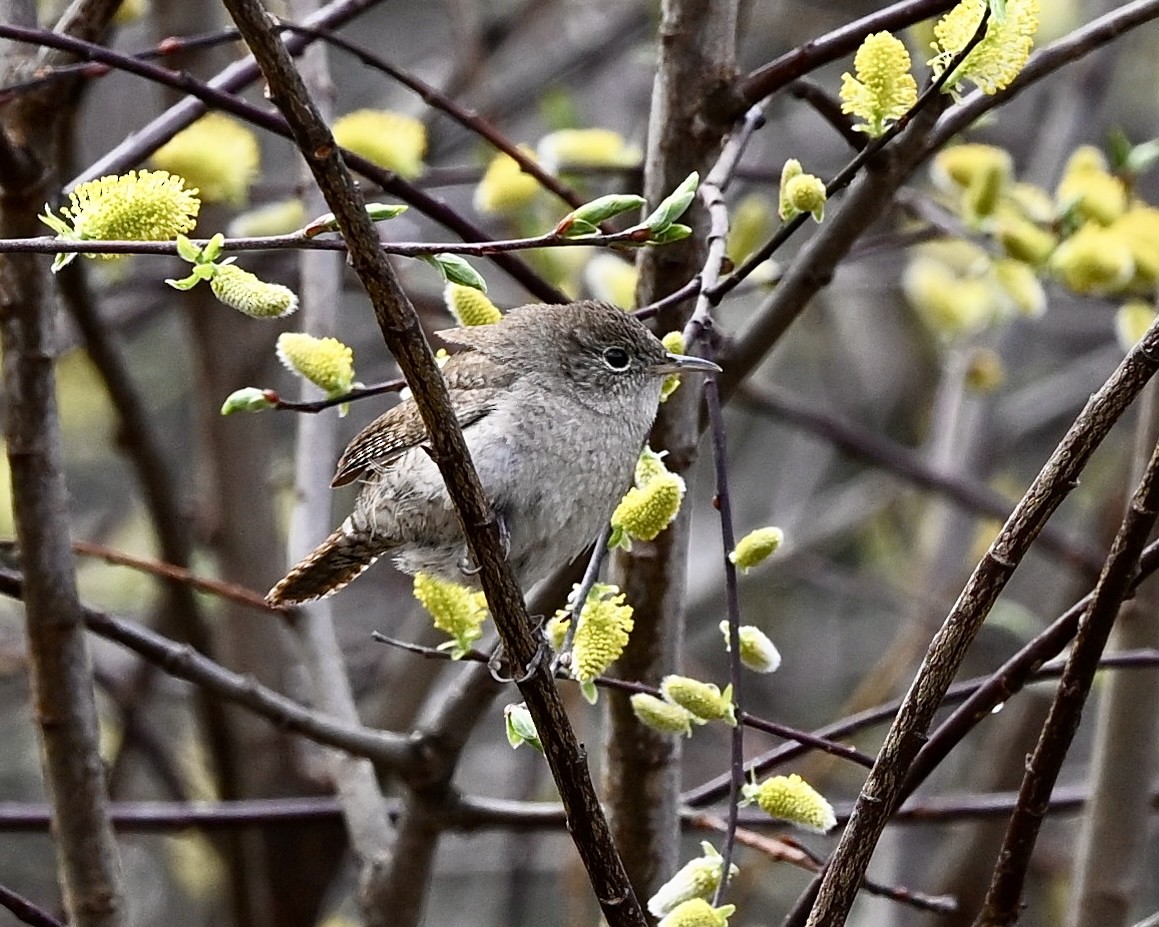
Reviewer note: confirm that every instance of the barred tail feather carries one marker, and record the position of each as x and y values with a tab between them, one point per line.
331	566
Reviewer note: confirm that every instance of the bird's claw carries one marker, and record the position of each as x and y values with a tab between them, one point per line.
533	666
468	567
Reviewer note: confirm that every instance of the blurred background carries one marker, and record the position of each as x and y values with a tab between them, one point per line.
871	564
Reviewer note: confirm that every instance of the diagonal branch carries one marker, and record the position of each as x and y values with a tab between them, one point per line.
1003	898
882	789
403	336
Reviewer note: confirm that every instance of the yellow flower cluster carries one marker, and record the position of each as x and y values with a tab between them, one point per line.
137	206
325	362
792	799
995	61
457	611
1091	236
800	192
648	507
884	90
585	148
696	912
505	189
470	306
390	140
217	153
602	634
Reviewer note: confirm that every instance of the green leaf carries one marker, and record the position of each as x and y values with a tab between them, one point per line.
1118	148
589	691
576	228
187	250
213	249
63	260
674	205
619	539
249	399
998	10
381	212
599	210
378	212
57	224
520	728
455	269
674	232
200	272
1142	158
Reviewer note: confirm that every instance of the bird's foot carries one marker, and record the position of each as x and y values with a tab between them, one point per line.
495	664
468	566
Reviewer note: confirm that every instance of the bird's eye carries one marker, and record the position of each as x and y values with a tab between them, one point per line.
617	359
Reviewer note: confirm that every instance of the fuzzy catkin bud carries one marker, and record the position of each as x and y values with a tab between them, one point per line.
696	912
663	717
325	362
137	206
791	798
470	306
756	547
703	699
243	291
602	632
757	652
646	511
698	878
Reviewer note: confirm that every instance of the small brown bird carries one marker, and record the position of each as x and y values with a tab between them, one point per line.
555	402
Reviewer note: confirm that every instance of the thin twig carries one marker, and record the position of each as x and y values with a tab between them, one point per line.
770	78
434	98
909	465
25	911
843	178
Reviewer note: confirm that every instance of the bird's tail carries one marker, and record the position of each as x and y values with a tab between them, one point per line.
331	566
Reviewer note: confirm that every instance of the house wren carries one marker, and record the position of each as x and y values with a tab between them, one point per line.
555	402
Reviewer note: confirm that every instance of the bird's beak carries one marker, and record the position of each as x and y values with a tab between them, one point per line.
682	363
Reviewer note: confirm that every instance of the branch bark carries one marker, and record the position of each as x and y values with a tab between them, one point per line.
400	329
61	673
696	67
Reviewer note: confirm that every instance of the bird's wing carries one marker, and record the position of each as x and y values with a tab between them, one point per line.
473	382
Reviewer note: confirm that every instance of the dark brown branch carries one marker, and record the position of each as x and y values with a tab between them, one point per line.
771	77
391	751
882	789
88	865
1002	905
403	336
25	911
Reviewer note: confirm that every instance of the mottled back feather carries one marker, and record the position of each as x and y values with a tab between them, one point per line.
473	385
